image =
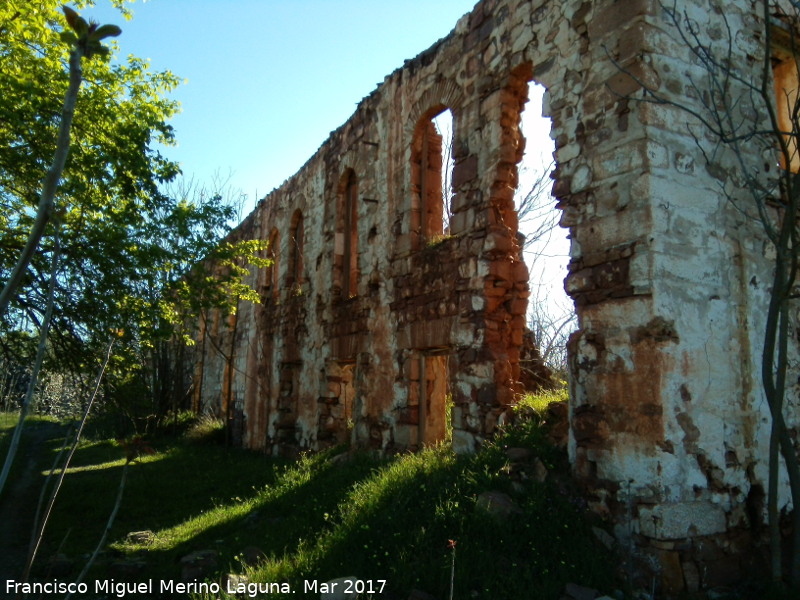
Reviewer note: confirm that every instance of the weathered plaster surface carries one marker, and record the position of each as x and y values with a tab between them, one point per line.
669	431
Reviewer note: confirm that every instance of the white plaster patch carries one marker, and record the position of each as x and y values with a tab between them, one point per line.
581	178
681	520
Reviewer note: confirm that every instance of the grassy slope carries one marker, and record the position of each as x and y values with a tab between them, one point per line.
321	518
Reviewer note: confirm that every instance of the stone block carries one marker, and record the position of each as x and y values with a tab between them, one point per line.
464	442
459	222
497	504
671	572
465	171
498	242
518	306
681	520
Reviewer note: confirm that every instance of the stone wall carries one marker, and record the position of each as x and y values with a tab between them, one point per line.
374	313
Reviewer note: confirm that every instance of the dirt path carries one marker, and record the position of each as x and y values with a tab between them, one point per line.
18	502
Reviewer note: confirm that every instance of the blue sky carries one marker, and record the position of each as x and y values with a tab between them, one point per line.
266	81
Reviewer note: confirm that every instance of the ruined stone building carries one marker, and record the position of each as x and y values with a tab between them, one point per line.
377	318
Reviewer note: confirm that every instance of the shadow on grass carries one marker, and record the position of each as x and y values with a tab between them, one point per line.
395	525
197	497
387	519
161	491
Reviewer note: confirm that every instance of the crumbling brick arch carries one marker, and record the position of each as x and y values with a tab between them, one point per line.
345	254
443	94
424	206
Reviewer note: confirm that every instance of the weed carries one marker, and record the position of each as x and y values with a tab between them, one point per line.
206	429
539	401
436	240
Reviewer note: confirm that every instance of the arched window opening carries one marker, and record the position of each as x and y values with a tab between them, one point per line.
346	238
295	273
432	169
545	246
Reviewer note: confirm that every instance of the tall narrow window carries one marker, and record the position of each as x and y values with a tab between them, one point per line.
431	172
295	273
444	127
346	240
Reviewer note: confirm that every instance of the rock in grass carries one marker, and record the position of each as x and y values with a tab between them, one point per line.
498	504
539	470
604	537
518	454
140	537
198	565
127	568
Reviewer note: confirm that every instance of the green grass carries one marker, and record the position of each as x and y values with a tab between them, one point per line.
322	517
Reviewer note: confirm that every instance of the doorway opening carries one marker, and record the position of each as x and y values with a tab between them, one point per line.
430	391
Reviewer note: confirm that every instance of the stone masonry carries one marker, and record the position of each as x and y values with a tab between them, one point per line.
376	313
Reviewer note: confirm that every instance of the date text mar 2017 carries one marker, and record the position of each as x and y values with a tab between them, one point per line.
347	585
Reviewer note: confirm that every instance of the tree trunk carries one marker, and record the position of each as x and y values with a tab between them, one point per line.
37	365
51	180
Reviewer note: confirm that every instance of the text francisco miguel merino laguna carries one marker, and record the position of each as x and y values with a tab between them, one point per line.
121	589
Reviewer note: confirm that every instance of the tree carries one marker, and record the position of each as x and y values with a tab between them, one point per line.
84	41
195	269
111	177
748	122
104	257
125	238
126	245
